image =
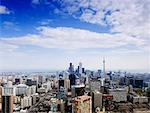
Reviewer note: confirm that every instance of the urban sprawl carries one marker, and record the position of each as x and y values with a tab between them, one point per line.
75	90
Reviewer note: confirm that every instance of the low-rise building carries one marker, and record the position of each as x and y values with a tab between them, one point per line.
134	98
82	104
119	94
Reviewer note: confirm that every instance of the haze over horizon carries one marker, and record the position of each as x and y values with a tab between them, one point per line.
43	34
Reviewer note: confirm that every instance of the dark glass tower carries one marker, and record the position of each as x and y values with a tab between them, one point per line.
7	104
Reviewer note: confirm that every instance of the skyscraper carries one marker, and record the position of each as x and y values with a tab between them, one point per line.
67	84
0	98
7	104
72	79
71	68
80	68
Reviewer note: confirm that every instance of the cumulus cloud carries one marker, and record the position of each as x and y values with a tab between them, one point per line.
71	38
130	17
4	10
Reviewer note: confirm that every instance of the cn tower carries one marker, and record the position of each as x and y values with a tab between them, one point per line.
104	73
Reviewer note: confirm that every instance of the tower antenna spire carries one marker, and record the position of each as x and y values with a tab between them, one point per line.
104	73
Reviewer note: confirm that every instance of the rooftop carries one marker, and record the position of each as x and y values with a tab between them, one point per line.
84	97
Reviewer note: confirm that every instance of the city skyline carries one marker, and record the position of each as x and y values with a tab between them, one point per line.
47	35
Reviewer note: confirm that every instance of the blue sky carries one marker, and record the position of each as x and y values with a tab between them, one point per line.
48	34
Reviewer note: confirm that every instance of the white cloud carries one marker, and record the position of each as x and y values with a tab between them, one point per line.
4	10
130	17
7	48
71	38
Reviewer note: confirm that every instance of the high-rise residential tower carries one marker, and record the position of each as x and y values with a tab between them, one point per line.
7	104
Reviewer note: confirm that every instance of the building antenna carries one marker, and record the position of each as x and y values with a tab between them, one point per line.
104	73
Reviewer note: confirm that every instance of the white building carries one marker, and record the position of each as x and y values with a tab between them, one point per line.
143	99
8	91
140	99
17	99
95	85
31	90
26	102
9	84
21	89
47	86
119	94
34	98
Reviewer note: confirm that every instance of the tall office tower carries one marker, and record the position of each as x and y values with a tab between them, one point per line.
0	94
83	70
96	101
71	68
7	104
0	98
80	68
67	84
72	79
82	104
